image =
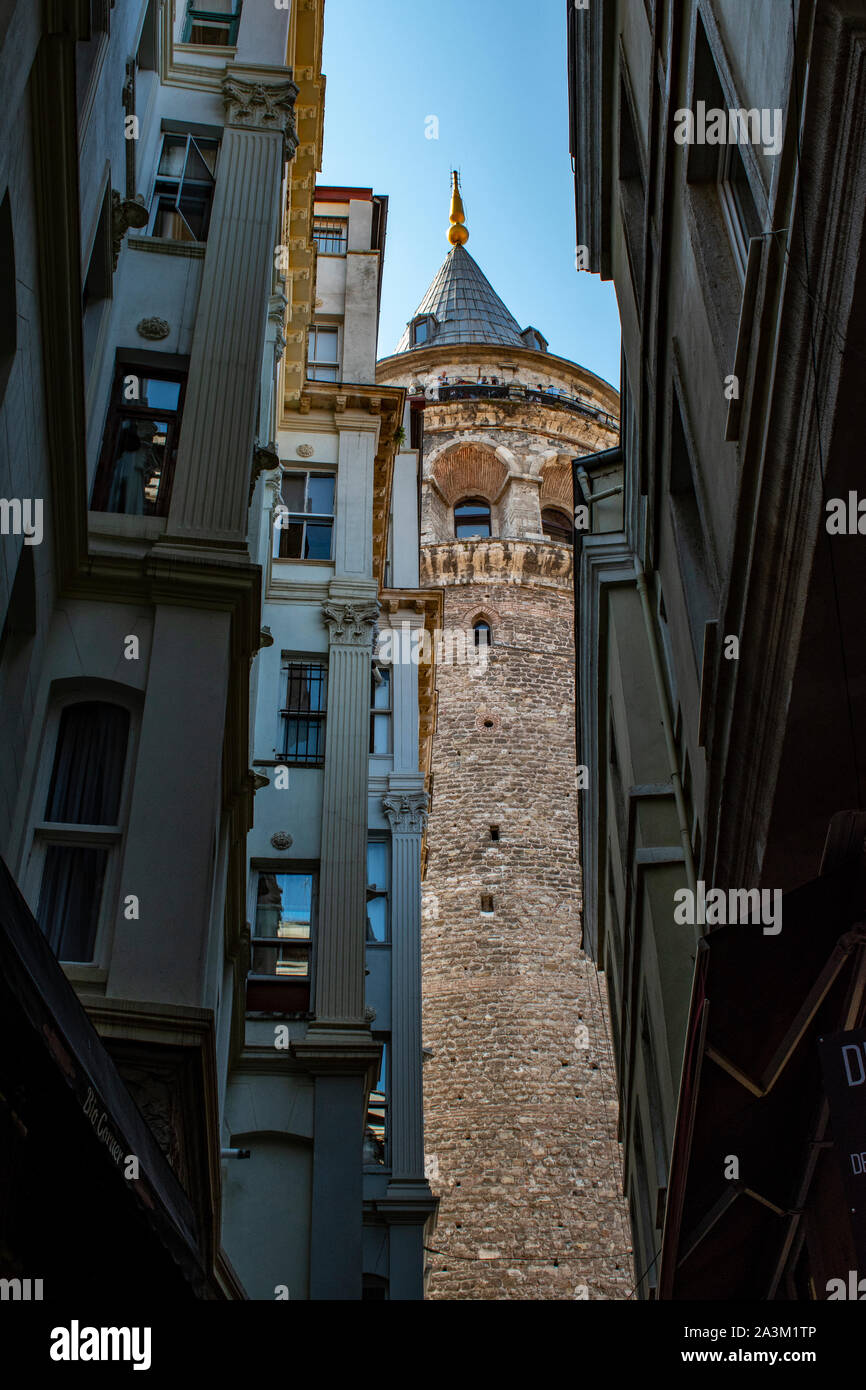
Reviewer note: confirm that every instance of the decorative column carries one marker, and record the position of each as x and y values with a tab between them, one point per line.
407	815
339	997
211	485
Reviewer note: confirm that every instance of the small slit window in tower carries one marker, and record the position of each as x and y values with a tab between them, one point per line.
487	904
494	832
482	634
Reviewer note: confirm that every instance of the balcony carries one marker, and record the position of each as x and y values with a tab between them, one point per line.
558	400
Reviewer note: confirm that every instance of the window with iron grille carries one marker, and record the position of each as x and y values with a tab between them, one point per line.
183	192
331	235
304	517
215	22
305	702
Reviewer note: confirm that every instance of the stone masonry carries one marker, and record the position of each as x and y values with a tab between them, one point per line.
520	1108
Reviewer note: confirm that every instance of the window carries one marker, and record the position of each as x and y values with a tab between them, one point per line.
380	711
378	885
81	826
282	944
557	526
690	539
376	1131
8	295
738	205
481	631
472	518
632	191
87	51
140	446
304	519
323	354
183	193
494	832
487	904
423	329
98	281
303	715
214	22
331	235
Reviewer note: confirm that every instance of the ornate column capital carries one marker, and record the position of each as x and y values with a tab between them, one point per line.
406	811
351	624
267	106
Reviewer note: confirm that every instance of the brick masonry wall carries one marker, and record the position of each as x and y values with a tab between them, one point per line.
520	1108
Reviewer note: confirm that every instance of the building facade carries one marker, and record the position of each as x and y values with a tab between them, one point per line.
719	655
324	1089
520	1118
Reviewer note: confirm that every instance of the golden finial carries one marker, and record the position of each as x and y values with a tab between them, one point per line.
458	232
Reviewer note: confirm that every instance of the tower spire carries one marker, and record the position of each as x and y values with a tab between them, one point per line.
458	232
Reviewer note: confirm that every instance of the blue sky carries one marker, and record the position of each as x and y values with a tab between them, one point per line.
494	73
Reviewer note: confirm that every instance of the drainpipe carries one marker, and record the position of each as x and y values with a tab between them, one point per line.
667	722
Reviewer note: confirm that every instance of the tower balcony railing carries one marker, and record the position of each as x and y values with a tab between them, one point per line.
548	396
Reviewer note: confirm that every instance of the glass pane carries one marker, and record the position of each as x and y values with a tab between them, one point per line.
292	491
209	7
137	467
169	223
320	494
382	692
193	206
88	767
288	541
159	394
463	530
377	865
173	155
323	344
377	919
285	962
306	687
322	373
218	33
199	165
69	900
381	734
318	541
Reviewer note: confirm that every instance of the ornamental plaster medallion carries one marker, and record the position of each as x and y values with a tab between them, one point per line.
154	329
305	451
281	840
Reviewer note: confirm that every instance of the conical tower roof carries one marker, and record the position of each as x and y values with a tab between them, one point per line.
466	307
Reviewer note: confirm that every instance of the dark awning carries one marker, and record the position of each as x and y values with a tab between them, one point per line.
752	1090
34	989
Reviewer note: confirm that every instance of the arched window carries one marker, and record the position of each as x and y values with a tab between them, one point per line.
483	635
557	526
472	518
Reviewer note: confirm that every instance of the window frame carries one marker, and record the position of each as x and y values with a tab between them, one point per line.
382	712
283	518
40	833
316	365
286	713
199	14
566	525
373	893
481	505
299	992
120	411
383	1074
162	184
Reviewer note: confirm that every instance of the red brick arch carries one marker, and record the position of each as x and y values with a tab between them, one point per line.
556	485
469	470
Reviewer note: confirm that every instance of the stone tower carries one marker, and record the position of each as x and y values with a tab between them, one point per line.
519	1093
